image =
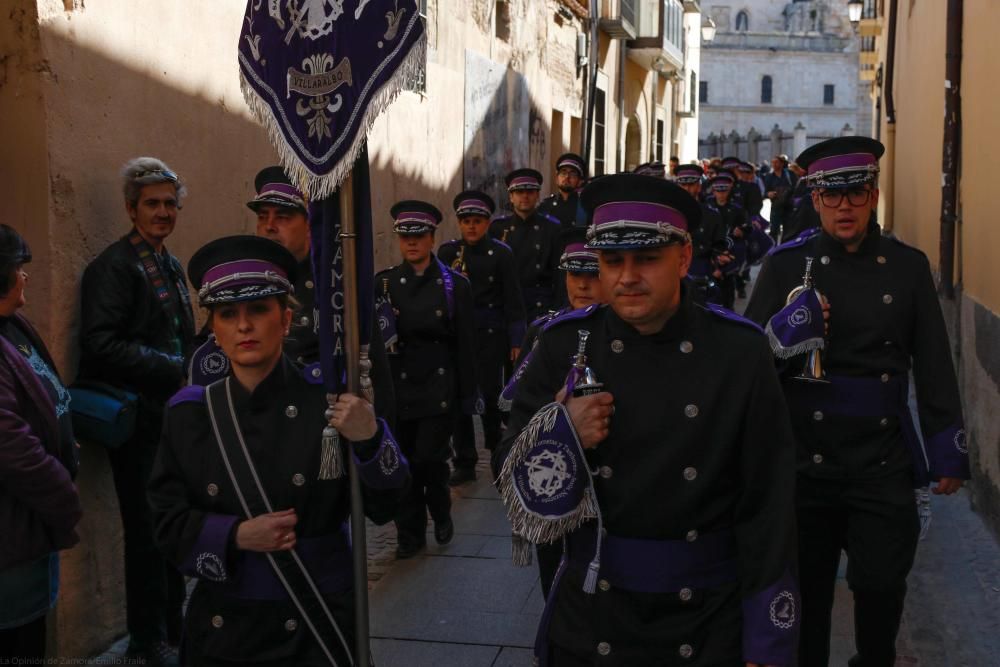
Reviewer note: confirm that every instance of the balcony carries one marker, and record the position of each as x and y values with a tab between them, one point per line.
659	42
778	42
618	18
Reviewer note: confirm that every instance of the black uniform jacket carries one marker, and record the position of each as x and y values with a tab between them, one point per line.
239	610
302	342
537	246
564	210
708	239
496	292
885	320
733	216
434	370
700	451
126	336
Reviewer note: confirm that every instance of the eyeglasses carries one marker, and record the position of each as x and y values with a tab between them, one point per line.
855	197
165	173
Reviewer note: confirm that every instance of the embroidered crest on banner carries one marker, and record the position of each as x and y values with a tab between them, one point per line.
960	442
783	610
799	316
546	472
311	18
388	459
210	567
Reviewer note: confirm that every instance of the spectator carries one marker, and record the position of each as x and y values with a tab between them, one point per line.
778	186
674	161
136	326
39	506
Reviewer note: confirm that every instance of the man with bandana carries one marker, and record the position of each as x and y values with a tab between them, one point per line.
859	456
667	477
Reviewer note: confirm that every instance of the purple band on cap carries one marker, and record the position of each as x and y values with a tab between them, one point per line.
639	211
731	163
467	206
242	266
524	182
569	162
416	217
724	177
283	189
849	161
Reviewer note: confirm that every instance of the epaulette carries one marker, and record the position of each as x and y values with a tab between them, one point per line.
570	315
312	373
501	243
499	217
727	314
193	393
553	219
387	269
797	242
452	242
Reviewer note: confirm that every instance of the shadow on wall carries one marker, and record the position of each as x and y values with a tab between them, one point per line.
217	151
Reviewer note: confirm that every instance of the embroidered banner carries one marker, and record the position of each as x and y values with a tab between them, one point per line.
316	74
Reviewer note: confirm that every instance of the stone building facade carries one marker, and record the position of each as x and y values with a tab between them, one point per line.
87	84
907	99
779	65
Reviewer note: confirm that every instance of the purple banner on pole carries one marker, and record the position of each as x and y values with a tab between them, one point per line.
798	327
316	74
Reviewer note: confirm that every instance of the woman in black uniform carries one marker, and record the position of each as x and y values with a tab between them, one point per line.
249	491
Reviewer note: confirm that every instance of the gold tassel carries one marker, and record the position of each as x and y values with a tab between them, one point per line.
331	462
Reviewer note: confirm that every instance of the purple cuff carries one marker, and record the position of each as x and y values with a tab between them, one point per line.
517	331
210	552
387	468
771	620
948	453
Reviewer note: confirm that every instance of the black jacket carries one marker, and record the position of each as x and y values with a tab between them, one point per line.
126	337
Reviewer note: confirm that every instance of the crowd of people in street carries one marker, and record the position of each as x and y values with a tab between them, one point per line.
686	476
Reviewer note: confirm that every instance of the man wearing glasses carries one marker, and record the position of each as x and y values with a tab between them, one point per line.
136	328
859	457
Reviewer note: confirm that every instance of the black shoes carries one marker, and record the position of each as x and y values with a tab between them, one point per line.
443	532
406	550
461	476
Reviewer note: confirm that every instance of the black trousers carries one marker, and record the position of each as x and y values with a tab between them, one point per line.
25	643
492	369
876	523
424	442
154	589
549	556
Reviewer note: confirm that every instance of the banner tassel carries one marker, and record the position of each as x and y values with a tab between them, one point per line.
331	460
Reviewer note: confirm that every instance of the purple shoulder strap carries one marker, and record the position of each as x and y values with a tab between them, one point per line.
449	286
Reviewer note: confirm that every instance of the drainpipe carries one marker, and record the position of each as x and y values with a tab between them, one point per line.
588	116
621	104
952	147
888	183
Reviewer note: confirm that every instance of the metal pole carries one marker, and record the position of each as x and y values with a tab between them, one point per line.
352	353
952	146
588	121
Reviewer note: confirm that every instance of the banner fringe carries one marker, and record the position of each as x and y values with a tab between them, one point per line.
316	186
525	525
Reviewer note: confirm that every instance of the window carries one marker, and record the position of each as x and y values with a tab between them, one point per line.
417	82
765	89
703	92
742	21
828	94
693	91
599	131
659	139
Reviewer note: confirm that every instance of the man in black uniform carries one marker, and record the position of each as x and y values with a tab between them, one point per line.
689	560
708	239
534	238
736	222
778	186
859	457
564	204
434	370
283	216
498	315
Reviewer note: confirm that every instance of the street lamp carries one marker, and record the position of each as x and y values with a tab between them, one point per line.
707	29
854	10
